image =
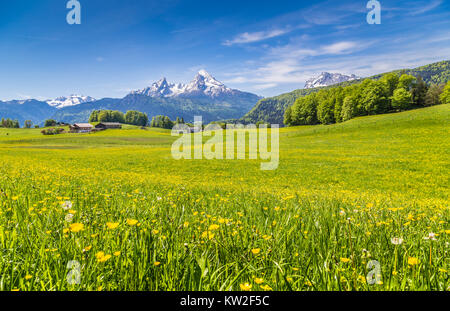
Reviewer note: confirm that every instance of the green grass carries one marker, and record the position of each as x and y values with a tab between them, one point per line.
339	196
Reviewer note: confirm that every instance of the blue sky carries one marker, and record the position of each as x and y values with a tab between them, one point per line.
265	47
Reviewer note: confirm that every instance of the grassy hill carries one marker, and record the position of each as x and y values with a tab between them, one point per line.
272	109
141	220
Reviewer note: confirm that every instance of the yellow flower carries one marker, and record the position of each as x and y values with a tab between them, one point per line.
266	287
154	231
132	222
343	259
101	257
245	287
214	227
77	227
256	251
117	253
27	277
156	263
259	281
112	225
87	248
412	261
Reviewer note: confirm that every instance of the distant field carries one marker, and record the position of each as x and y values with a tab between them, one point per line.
141	220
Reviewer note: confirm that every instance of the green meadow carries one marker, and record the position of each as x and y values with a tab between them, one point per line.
360	205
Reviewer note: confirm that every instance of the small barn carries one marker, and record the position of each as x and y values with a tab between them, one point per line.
81	128
108	125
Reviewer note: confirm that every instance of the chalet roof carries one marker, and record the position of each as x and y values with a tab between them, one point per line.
83	125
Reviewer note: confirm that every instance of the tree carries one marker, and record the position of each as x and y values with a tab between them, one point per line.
419	92
391	81
374	100
445	96
406	81
49	122
402	99
28	124
348	108
136	118
433	95
304	111
325	107
288	116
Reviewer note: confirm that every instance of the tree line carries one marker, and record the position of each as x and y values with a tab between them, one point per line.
131	117
165	122
388	94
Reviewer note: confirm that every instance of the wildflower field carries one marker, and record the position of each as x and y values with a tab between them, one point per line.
353	202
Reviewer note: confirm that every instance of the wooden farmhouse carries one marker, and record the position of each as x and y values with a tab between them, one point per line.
108	125
81	128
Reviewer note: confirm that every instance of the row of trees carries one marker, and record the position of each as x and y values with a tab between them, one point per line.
165	122
131	117
8	123
388	94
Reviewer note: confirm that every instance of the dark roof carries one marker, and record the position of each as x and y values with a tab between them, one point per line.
110	123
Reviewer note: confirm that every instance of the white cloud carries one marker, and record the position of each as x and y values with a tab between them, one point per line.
249	37
425	8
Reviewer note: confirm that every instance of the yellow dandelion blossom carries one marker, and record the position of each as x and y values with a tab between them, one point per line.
413	261
112	225
132	222
245	287
77	227
256	251
259	280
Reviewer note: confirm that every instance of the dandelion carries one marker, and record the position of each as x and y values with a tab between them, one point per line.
27	277
396	241
214	227
116	253
156	263
132	222
256	251
101	257
68	218
259	280
155	232
266	287
345	260
413	261
112	225
77	227
67	205
87	249
245	287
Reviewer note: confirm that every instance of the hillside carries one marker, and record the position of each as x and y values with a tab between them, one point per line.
272	109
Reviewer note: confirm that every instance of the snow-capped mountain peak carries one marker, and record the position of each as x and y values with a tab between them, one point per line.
326	79
71	100
202	84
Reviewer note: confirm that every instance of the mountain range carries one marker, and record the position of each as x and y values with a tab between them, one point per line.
326	79
204	96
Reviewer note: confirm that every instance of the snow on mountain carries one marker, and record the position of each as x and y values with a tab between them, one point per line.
72	100
326	79
202	84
